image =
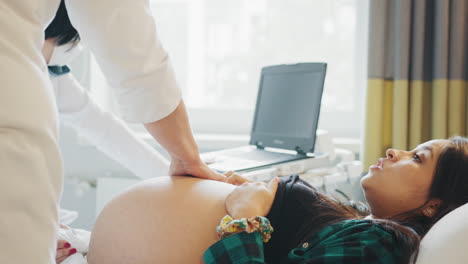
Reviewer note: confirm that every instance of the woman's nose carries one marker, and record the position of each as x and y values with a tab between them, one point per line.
392	154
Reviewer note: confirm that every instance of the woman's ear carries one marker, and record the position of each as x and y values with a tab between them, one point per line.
431	207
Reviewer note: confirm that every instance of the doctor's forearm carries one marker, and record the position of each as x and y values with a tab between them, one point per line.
174	133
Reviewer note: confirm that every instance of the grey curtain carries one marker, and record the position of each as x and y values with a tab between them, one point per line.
417	73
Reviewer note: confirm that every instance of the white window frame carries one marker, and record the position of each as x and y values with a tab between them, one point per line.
344	126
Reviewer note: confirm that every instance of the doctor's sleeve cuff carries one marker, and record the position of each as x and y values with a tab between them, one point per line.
239	248
149	97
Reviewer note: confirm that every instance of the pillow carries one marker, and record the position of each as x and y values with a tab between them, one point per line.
447	241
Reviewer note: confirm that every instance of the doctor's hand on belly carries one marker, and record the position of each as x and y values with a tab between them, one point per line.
235	179
198	169
174	134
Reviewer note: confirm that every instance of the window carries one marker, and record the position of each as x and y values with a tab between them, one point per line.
218	48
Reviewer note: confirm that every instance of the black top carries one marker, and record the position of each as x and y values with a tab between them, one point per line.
295	216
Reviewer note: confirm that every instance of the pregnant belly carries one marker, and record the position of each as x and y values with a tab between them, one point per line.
162	220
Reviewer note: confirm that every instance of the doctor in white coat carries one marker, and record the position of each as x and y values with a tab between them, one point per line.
122	36
104	130
80	111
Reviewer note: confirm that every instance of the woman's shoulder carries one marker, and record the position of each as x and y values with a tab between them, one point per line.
351	241
293	186
293	197
363	229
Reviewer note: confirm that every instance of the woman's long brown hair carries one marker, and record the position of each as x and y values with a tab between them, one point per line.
450	185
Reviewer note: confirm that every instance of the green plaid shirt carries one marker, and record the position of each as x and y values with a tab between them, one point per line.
350	242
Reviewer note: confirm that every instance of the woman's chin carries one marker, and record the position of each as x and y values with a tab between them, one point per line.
365	180
369	181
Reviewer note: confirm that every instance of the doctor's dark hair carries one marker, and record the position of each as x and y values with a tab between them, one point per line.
61	28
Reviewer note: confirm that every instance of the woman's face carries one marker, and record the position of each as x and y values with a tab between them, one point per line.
401	182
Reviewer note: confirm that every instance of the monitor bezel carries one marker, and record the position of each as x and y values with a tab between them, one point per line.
301	144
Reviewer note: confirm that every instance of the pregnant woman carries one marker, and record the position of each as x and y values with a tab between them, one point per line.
174	219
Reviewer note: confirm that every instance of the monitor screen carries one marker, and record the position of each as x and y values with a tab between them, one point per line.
287	104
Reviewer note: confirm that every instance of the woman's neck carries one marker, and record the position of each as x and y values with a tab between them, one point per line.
48	48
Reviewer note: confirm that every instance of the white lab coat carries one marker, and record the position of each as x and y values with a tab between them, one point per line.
104	130
122	36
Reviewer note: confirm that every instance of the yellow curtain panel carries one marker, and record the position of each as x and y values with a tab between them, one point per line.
417	74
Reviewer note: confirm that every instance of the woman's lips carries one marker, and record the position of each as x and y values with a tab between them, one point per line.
379	165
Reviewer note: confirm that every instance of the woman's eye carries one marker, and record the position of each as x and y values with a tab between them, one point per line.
417	158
